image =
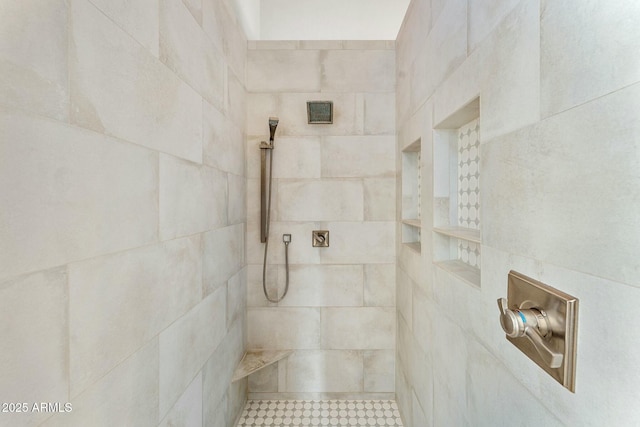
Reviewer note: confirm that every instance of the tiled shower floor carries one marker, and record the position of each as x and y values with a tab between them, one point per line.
275	413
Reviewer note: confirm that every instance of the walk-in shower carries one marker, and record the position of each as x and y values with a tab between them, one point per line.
266	179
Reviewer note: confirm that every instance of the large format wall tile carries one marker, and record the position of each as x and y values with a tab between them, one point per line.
187	411
447	42
553	181
115	89
237	194
320	201
404	297
139	19
358	156
294	157
127	395
122	301
379	199
195	8
504	71
236	398
418	414
218	370
404	395
415	28
360	243
217	415
510	61
283	328
236	297
265	380
379	113
255	292
379	369
33	57
578	65
358	70
185	48
489	382
322	371
484	16
235	101
187	344
449	356
324	286
94	93
33	350
222	27
223	255
380	285
193	198
422	376
214	21
283	70
223	142
358	328
72	195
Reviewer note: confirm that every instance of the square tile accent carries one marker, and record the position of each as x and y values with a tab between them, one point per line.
275	413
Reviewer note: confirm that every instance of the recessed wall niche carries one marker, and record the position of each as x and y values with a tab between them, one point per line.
411	204
457	225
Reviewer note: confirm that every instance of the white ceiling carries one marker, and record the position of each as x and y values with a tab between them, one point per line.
321	19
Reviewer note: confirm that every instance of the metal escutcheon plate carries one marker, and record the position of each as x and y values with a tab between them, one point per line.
562	310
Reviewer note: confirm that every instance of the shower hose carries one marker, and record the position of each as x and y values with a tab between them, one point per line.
266	244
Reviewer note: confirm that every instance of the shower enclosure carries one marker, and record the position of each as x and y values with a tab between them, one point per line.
339	313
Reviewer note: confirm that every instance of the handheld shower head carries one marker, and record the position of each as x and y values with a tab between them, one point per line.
273	124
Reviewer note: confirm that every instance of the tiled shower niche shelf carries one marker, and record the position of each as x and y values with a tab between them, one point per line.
469	234
411	234
412	222
411	177
456	231
462	270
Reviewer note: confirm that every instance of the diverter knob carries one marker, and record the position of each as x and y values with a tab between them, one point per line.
510	322
533	324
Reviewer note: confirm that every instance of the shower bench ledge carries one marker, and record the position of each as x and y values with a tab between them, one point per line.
254	360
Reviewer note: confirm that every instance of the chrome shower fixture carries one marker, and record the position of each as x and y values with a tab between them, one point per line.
266	148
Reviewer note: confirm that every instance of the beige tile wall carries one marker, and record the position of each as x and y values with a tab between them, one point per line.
559	86
122	227
339	313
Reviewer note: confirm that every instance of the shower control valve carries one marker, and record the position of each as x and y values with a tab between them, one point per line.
533	324
320	238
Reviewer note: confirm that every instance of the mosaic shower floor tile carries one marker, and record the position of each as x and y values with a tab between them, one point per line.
276	413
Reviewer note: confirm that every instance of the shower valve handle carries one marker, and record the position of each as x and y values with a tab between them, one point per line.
533	324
